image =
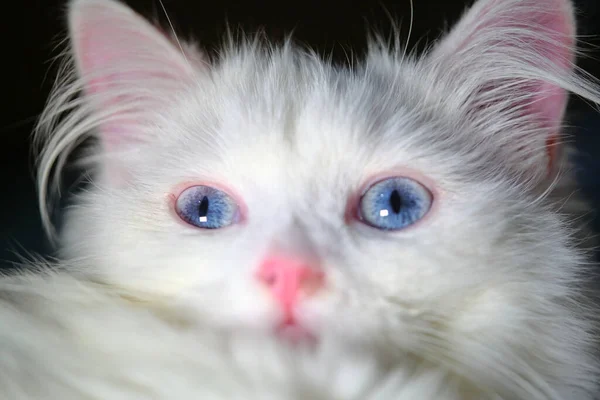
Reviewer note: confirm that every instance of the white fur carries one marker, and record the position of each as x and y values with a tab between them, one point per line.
491	287
97	345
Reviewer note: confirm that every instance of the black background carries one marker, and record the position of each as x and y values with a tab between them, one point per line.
31	29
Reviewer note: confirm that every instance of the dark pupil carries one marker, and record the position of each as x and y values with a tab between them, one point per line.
203	207
396	201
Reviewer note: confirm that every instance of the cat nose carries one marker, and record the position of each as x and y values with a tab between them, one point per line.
288	279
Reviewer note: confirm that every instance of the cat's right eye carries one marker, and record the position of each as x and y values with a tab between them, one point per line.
207	207
394	203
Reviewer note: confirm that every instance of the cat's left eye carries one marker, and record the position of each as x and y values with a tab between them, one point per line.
207	207
394	203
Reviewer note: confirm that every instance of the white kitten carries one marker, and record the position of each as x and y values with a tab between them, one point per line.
419	210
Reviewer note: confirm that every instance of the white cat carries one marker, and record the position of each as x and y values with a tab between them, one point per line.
419	212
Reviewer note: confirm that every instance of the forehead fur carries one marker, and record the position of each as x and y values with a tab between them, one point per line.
277	105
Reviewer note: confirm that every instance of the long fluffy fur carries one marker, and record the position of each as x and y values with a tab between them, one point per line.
98	345
489	299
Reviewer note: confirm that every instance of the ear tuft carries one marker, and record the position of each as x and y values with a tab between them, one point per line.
547	25
127	66
119	73
515	59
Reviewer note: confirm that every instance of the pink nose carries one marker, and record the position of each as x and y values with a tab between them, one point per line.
288	279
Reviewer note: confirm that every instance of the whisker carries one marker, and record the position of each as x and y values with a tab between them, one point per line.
162	4
410	27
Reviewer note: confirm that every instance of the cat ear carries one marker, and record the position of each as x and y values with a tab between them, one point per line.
128	69
512	60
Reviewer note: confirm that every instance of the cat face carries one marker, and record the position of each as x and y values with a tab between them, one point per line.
404	204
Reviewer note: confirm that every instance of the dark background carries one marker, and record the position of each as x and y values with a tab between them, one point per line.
31	30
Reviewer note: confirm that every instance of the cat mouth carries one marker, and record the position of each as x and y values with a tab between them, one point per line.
290	331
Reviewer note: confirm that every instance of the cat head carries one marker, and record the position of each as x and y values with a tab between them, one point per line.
405	204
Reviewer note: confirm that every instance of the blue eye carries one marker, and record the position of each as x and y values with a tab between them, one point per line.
394	203
207	207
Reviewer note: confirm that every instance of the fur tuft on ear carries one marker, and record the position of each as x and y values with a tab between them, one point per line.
127	67
119	70
511	63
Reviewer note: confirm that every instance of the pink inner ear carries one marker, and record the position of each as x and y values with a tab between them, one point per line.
552	150
549	104
551	100
547	30
128	67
